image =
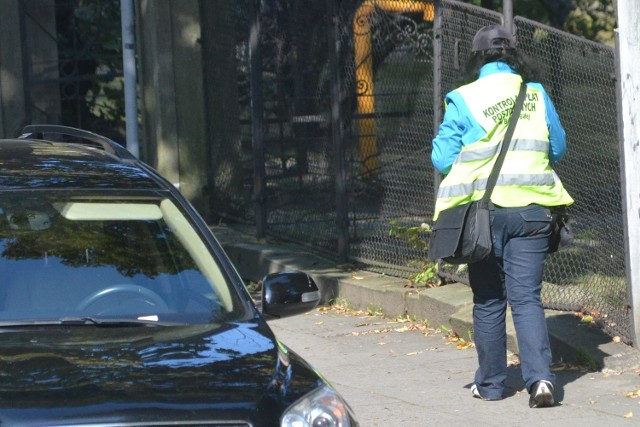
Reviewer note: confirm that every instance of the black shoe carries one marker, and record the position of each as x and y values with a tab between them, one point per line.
541	395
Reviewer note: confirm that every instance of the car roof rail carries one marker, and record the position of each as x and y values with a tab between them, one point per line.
91	138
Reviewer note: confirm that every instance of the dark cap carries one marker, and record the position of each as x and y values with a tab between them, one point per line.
493	37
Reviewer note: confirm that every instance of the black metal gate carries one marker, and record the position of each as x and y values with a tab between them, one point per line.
348	87
73	64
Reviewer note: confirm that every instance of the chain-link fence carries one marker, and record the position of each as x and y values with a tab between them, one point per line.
581	78
351	94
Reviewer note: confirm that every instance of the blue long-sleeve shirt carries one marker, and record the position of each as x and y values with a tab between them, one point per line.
459	128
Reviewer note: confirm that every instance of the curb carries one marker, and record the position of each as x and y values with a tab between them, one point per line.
450	305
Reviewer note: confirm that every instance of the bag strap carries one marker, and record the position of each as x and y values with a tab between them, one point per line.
493	178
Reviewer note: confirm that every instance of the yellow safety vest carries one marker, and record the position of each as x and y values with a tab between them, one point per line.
526	176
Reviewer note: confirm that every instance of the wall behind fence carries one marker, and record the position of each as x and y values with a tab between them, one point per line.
385	54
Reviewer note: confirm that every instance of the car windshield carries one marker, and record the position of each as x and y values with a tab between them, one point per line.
68	258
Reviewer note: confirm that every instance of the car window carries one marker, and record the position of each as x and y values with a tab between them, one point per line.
106	257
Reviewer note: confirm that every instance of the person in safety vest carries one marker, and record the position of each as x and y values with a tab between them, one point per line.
467	144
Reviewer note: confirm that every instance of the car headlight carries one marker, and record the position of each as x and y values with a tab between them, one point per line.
322	407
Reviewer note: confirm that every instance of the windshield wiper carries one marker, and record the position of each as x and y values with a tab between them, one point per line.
83	321
121	322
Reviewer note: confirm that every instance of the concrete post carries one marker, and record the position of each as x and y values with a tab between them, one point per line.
172	88
11	69
628	73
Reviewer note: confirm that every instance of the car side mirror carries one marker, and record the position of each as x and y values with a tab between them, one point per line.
288	293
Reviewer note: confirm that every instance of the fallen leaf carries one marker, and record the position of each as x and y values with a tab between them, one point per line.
463	345
632	394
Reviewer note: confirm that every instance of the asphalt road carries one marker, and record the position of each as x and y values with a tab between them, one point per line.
398	373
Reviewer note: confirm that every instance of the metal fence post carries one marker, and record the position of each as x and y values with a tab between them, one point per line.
437	83
437	79
337	134
130	76
507	15
257	119
25	77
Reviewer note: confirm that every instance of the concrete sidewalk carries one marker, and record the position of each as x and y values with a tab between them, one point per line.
449	305
396	373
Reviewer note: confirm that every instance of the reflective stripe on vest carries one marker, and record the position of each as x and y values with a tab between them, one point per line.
516	145
468	189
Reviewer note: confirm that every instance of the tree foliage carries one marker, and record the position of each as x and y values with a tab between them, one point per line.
593	19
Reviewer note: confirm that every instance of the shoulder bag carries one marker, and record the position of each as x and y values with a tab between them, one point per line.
462	234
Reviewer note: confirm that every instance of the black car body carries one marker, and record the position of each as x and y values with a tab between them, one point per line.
118	306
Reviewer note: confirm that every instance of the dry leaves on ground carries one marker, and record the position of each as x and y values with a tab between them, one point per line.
404	324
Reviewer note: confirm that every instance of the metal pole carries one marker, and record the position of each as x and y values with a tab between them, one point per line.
628	91
507	15
130	77
257	119
437	80
337	134
438	100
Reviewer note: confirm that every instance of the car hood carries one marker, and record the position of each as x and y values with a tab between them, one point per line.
206	373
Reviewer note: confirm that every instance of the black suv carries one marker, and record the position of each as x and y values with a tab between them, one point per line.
119	307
